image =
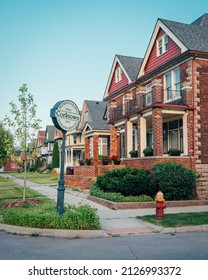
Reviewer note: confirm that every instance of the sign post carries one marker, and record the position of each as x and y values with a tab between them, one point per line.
65	116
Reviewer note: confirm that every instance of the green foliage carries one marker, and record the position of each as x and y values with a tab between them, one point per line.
55	156
24	123
117	197
6	145
127	181
46	216
23	118
38	164
174	180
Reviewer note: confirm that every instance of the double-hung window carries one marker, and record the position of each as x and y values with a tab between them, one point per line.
118	74
162	45
172	85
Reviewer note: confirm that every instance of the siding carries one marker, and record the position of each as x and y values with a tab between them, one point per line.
154	61
115	86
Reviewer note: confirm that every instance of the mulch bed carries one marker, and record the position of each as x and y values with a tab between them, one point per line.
20	202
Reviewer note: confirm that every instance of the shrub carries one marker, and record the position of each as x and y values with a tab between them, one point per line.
82	217
174	180
55	156
117	197
127	181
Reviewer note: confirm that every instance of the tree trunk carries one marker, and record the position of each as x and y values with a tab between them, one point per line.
25	176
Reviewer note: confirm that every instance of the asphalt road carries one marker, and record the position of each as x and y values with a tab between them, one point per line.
180	246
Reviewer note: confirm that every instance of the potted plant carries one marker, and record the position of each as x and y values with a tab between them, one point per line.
81	162
105	160
174	152
134	153
116	160
148	152
88	161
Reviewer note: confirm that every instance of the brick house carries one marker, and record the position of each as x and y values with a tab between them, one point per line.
161	101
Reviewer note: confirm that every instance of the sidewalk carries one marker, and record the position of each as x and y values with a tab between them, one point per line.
113	222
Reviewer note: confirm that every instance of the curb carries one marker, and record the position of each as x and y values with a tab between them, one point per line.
184	229
62	233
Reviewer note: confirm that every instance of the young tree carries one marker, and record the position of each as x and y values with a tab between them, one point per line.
6	145
55	156
24	123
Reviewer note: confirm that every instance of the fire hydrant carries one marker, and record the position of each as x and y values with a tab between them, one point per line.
160	205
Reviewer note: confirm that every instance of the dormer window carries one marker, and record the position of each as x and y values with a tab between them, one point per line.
118	74
162	45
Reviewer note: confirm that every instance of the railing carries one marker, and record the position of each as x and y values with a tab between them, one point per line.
172	95
117	112
147	99
143	101
132	106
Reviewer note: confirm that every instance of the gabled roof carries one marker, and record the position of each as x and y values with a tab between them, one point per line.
49	135
192	36
95	118
129	65
41	137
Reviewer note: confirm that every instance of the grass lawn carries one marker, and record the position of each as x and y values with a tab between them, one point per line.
6	182
17	192
178	220
38	178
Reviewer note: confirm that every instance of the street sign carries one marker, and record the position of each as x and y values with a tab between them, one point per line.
65	115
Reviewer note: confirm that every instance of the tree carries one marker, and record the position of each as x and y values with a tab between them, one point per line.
55	156
24	123
6	145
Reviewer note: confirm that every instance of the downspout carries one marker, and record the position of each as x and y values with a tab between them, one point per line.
193	91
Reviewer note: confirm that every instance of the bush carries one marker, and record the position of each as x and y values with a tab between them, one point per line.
117	197
174	180
82	217
55	156
127	181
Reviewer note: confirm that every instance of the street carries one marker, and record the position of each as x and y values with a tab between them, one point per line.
180	246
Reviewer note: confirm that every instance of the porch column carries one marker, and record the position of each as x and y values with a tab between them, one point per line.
187	96
127	98
87	147
141	132
113	140
95	148
141	91
157	132
190	133
128	137
71	156
157	91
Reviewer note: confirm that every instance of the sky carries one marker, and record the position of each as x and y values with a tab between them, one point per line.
64	49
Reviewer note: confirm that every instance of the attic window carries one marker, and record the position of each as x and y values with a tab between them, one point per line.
118	74
162	45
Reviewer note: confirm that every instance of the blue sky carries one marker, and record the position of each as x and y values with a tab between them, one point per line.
64	49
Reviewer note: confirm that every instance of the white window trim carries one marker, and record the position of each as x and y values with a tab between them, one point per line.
173	88
118	74
162	38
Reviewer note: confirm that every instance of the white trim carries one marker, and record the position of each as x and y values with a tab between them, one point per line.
129	127
119	123
143	132
115	61
173	112
146	114
159	25
134	118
